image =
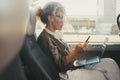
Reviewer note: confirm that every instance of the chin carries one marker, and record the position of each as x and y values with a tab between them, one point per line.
60	28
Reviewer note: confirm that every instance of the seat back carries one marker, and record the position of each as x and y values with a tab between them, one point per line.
40	66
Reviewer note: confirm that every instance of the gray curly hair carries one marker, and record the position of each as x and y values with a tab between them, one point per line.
50	9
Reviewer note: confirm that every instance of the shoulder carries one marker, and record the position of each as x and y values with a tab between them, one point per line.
45	38
43	35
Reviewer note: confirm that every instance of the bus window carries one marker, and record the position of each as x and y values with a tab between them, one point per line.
87	17
83	18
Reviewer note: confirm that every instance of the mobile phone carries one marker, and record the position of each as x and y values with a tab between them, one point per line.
87	39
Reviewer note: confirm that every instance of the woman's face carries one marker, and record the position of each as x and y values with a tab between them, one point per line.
58	20
13	21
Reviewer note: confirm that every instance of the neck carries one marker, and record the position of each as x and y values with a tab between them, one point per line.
50	28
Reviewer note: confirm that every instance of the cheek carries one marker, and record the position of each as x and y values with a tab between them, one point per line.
58	25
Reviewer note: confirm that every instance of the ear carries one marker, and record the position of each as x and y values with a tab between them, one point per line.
50	19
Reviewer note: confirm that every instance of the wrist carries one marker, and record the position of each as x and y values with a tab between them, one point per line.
76	52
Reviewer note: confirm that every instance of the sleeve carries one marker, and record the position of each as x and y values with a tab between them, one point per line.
59	59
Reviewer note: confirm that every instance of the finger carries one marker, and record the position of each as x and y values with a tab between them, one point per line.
86	43
85	49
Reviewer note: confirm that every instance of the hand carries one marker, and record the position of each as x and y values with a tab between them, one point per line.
80	48
85	47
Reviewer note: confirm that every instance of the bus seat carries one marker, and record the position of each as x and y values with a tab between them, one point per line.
40	66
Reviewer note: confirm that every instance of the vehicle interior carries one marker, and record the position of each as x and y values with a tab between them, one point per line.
99	19
101	22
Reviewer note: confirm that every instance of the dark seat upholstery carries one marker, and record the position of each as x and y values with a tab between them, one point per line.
37	65
40	66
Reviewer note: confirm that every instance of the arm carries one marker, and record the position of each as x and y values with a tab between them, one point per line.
78	49
60	58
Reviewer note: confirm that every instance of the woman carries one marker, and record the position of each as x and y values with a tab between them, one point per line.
52	16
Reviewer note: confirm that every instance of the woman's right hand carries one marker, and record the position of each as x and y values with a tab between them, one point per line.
81	48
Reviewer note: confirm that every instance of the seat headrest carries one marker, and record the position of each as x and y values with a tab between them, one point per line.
31	23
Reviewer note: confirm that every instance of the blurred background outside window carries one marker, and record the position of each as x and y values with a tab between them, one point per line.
87	17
